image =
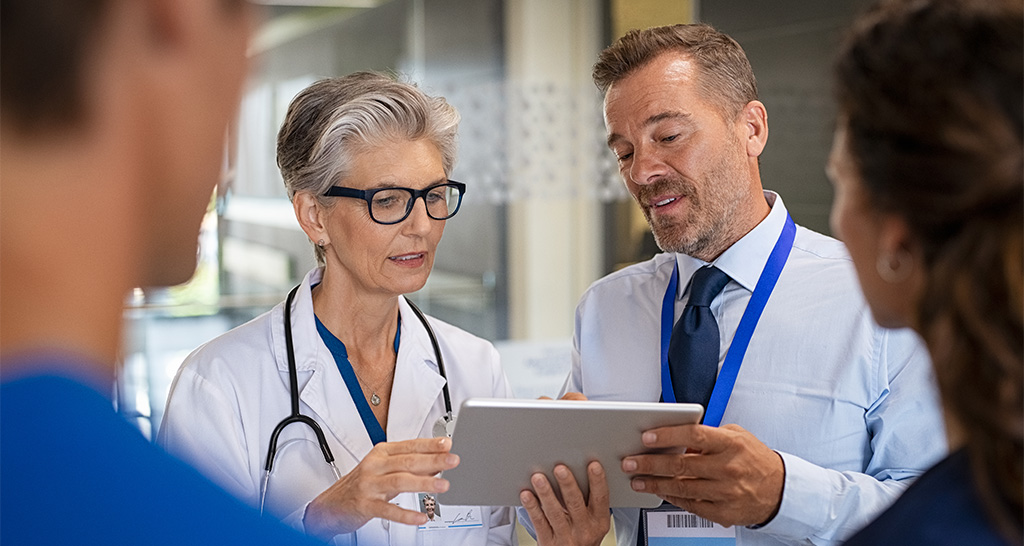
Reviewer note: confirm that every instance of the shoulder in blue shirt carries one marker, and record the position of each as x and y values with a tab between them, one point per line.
75	472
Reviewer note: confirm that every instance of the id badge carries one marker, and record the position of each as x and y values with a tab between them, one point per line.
670	526
440	518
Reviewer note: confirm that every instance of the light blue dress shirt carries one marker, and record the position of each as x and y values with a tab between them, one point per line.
851	407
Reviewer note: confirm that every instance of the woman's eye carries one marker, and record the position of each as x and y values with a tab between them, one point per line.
385	202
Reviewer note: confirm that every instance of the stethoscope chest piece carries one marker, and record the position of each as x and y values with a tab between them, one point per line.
445	426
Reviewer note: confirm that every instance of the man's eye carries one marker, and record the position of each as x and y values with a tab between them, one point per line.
670	138
624	157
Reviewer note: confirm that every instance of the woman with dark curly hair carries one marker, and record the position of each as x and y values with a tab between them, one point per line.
928	166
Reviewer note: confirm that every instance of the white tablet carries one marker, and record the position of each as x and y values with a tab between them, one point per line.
502	442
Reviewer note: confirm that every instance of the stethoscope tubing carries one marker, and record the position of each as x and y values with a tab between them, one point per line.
293	383
440	359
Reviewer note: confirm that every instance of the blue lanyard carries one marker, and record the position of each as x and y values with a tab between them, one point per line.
734	357
337	348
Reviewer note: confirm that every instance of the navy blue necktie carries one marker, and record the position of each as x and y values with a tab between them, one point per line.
694	347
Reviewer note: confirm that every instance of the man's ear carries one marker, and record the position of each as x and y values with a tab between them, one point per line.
752	123
165	22
311	216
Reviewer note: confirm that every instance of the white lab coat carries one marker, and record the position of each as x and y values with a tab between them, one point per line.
231	392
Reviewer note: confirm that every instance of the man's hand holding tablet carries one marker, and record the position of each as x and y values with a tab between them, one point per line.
579	521
562	460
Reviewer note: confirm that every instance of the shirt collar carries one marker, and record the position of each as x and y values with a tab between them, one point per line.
746	258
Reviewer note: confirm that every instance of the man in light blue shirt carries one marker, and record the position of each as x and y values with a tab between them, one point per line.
830	416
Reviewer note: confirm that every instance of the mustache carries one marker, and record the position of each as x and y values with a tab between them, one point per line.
667	185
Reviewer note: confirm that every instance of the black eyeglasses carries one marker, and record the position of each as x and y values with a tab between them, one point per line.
392	205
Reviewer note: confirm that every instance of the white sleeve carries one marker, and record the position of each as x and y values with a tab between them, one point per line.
201	426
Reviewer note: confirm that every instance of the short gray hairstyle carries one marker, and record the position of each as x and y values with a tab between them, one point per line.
330	122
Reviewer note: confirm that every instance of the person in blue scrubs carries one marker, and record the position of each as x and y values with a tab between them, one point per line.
112	130
928	167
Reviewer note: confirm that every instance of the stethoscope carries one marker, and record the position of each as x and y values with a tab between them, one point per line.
443	427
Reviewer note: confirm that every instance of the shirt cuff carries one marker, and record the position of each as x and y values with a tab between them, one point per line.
805	504
297	519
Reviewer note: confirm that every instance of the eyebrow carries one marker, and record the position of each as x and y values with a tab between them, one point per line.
656	118
381	185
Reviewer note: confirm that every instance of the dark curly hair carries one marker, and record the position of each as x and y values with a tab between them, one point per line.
931	93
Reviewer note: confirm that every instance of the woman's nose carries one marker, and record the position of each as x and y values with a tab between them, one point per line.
418	219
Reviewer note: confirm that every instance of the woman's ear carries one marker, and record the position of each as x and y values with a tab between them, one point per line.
311	216
899	256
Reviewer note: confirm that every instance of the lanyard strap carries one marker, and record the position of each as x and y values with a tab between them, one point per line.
337	348
734	357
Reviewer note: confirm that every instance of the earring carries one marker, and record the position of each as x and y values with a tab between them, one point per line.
320	244
896	267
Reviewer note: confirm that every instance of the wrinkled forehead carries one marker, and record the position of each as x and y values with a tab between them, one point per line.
667	75
665	90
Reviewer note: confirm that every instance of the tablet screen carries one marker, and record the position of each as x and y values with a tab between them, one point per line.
502	442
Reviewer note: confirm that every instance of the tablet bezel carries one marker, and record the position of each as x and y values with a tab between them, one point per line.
502	442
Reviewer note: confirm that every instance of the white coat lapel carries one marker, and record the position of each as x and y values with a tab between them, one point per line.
417	386
321	388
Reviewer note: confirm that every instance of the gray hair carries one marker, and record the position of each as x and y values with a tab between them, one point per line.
330	122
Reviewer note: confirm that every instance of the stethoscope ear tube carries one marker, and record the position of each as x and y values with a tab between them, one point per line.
295	416
293	381
437	353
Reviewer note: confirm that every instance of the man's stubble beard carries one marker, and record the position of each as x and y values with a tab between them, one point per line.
705	223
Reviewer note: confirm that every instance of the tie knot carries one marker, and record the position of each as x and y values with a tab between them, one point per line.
707	283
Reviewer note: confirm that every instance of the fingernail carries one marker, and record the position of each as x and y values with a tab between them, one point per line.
524	497
452	459
561	472
649	438
539	481
441	485
443	442
638	485
596	469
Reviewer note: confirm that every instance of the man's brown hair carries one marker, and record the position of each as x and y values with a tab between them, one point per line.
725	77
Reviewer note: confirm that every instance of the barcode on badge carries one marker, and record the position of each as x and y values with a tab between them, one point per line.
691	521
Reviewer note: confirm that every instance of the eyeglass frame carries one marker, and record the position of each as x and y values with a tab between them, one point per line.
367	195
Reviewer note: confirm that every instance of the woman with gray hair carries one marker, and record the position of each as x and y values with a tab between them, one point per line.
360	378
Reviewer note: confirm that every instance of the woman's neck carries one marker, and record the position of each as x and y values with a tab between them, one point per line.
366	323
